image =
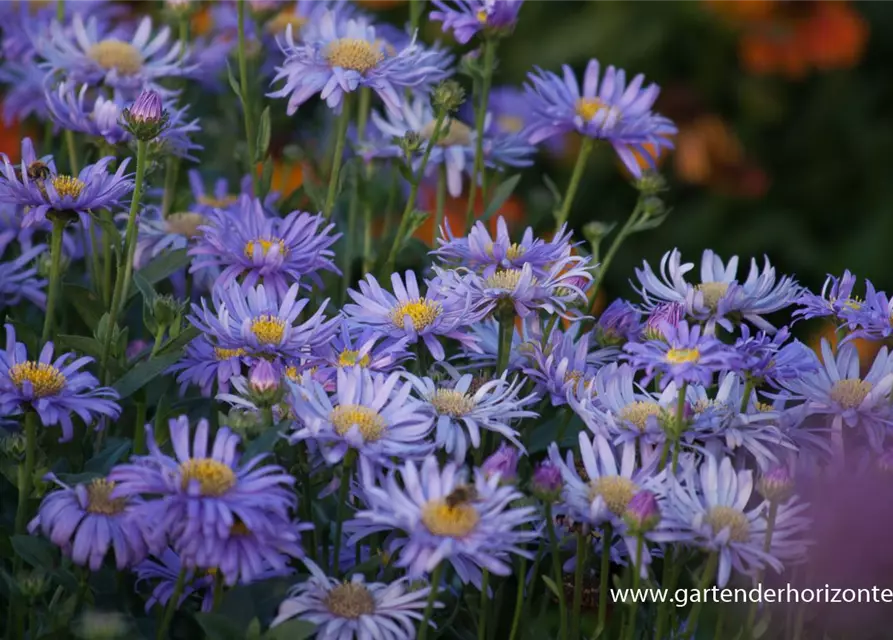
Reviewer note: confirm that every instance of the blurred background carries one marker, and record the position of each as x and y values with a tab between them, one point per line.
785	115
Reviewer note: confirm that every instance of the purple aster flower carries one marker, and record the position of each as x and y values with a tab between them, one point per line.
609	110
767	358
86	522
719	297
346	54
90	112
406	313
252	247
565	364
362	348
354	608
642	512
486	255
260	323
711	504
620	322
93	54
206	201
23	95
837	389
546	482
502	462
671	313
455	149
460	413
465	18
686	356
372	413
18	279
166	570
208	367
486	336
54	389
873	318
443	519
836	299
777	484
146	108
44	190
206	495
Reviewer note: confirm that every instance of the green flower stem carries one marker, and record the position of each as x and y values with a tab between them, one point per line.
72	153
604	574
413	193
343	493
680	422
125	264
171	606
139	427
535	575
506	332
389	207
158	341
519	598
354	210
706	579
568	200
416	8
439	204
218	590
485	605
107	260
171	174
432	598
60	11
609	256
745	398
480	118
337	156
767	544
556	572
250	132
55	277
95	262
582	554
666	582
27	471
630	633
720	623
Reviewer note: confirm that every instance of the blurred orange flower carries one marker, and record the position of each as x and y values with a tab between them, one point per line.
867	348
11	139
379	4
454	213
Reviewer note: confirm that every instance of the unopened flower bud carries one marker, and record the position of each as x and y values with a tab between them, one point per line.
145	119
12	444
503	461
264	382
670	313
642	513
652	207
546	483
448	96
410	142
32	585
776	485
167	310
651	183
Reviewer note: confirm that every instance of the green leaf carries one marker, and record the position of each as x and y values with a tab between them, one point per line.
553	189
263	443
143	373
176	345
500	195
551	584
163	266
266	177
145	288
253	631
81	344
103	461
233	83
38	552
406	172
217	626
85	302
263	134
291	630
416	219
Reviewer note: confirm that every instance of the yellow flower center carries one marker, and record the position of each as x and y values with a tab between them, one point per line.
588	107
704	404
681	356
638	412
67	186
350	358
451	402
217	203
114	54
350	600
616	491
268	329
226	354
574	376
185	223
280	22
482	16
265	246
506	279
214	478
99	498
46	380
720	518
371	425
713	293
422	313
510	124
454	522
515	251
353	53
458	133
764	407
849	394
291	372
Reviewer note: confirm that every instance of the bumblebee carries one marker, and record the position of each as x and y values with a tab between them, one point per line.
38	171
462	494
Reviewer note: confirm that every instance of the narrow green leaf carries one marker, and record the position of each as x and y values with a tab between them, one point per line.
145	288
551	584
163	266
406	172
233	83
81	344
553	189
217	626
263	134
143	373
500	195
113	452
266	177
85	302
291	630
264	443
38	552
416	219
176	345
